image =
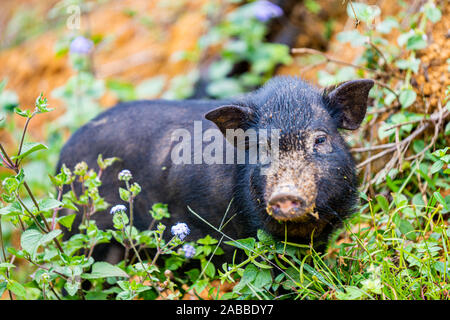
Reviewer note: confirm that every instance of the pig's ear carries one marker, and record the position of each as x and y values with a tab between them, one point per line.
351	99
230	117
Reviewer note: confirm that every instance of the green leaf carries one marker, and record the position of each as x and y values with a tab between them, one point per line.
223	88
72	287
351	293
416	42
67	221
387	25
432	12
245	244
250	273
441	267
208	240
41	104
3	84
7	265
208	268
68	204
355	38
411	63
441	199
49	204
407	229
104	270
447	129
23	113
407	97
96	295
436	166
384	204
312	6
200	285
261	265
29	148
384	132
124	91
103	164
440	152
151	88
10	185
219	69
17	288
364	12
3	286
265	237
30	241
49	236
124	194
263	278
120	220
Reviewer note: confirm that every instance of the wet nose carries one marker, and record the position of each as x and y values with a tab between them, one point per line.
285	202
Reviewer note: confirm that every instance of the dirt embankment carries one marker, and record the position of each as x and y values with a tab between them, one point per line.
140	40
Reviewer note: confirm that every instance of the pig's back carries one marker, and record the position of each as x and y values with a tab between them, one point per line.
139	133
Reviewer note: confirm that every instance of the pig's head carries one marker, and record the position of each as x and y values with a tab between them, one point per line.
314	182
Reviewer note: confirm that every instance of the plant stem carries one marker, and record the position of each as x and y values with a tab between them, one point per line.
31	215
6	156
23	137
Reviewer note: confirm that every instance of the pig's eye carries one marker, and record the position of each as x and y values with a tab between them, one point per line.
321	143
320	140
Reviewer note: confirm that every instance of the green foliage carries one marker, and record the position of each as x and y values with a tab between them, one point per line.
241	37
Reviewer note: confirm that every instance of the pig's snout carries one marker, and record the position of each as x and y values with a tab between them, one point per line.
286	203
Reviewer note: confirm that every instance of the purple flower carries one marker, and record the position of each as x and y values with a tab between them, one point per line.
118	208
125	175
264	10
81	45
189	251
181	230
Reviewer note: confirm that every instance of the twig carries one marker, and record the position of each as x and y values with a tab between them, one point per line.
380	53
383	85
433	140
329	59
357	22
400	147
377	147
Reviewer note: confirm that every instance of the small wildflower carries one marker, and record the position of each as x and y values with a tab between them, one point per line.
189	251
125	175
80	168
265	10
81	45
45	277
181	230
118	208
168	274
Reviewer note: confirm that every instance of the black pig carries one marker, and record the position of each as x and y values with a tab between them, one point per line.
312	188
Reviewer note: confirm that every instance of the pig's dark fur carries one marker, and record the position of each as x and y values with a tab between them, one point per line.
139	133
